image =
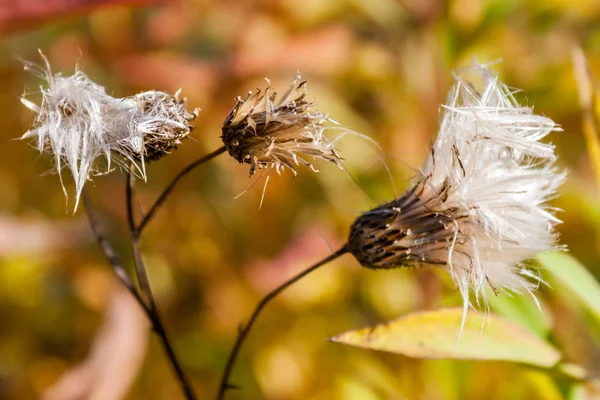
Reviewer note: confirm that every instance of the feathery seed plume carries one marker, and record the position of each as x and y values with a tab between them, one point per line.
78	122
479	205
267	131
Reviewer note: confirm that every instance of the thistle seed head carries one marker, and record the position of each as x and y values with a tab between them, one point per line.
77	122
267	131
395	235
479	205
163	121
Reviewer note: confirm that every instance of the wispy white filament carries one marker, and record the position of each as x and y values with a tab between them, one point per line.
499	177
479	206
78	122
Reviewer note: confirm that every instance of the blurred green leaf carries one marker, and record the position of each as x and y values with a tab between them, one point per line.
569	274
523	310
435	334
585	391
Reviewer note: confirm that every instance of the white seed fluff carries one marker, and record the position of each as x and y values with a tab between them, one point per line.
78	122
500	179
479	206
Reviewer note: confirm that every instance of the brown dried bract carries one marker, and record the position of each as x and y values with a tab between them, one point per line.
405	232
163	121
267	131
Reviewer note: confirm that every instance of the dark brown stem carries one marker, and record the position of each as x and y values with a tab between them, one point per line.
146	289
110	254
245	330
163	196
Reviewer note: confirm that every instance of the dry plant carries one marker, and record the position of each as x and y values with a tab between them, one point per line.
478	207
79	124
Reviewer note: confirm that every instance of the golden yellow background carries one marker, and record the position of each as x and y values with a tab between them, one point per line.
379	67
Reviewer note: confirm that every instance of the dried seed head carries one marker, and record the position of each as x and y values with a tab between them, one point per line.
163	121
479	205
267	131
387	237
78	122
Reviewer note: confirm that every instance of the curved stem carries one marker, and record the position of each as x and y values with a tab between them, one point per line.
244	331
163	196
111	255
146	290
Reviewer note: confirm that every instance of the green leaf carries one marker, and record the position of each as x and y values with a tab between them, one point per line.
566	273
435	334
523	310
585	391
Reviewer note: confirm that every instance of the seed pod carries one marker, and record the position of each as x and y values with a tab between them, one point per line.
77	122
402	233
163	121
267	131
479	205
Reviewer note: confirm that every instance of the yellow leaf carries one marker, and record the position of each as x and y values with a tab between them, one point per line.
435	334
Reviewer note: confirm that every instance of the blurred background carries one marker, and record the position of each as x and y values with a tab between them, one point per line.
379	67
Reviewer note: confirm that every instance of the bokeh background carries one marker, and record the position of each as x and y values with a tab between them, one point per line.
379	67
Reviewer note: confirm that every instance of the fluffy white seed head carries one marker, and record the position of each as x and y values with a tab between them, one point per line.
80	125
479	207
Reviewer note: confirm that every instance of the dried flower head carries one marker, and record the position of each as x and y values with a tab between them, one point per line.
163	121
77	122
267	131
479	205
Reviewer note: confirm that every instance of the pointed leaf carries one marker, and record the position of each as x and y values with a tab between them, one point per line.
524	311
569	274
435	334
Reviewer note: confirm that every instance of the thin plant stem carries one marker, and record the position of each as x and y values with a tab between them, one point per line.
243	333
111	255
587	100
146	289
163	196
